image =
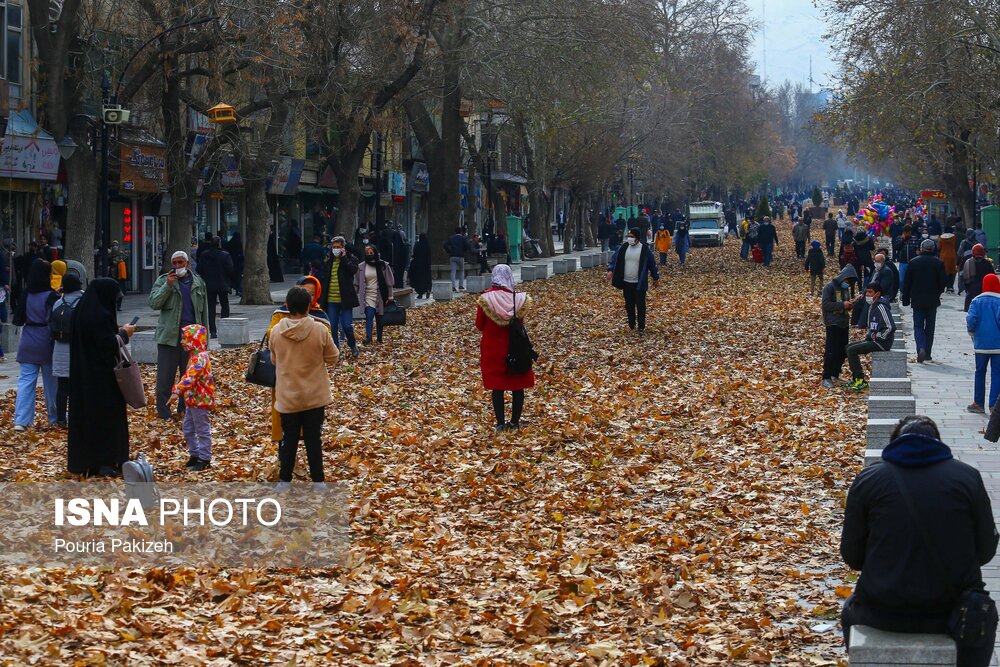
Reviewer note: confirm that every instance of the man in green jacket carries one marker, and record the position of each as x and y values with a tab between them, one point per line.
182	299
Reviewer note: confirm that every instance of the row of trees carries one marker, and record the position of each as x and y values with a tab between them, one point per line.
584	85
917	90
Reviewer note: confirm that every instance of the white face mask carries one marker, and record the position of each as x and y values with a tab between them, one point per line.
337	252
632	240
181	271
869	300
879	265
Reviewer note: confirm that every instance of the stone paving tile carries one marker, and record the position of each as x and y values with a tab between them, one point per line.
943	389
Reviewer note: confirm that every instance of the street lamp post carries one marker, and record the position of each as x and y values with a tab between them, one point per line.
105	204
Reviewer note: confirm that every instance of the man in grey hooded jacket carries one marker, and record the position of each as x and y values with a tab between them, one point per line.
837	301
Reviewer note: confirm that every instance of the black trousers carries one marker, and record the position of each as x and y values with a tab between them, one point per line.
62	397
856	612
635	306
831	243
800	249
854	352
222	298
310	424
835	351
171	361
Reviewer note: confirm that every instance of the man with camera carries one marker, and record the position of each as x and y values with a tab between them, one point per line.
182	299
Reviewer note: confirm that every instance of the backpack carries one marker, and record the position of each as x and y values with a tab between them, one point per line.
753	230
61	320
520	353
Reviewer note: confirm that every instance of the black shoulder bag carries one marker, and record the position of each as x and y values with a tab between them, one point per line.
261	370
975	614
520	353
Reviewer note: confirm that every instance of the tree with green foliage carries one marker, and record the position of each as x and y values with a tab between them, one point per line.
763	208
817	196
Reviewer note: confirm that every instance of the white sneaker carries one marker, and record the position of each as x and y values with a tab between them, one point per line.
282	487
18	427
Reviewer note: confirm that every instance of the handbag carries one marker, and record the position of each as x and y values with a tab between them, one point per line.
261	370
129	379
521	354
138	477
393	315
974	618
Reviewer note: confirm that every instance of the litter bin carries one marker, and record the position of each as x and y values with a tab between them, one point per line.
514	233
990	215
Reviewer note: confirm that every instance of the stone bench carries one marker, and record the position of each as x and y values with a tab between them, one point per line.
878	431
441	290
10	336
891	407
477	284
558	267
877	648
541	271
587	261
143	347
405	297
570	264
528	272
890	364
234	331
890	387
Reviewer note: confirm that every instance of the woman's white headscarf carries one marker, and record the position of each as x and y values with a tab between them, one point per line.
502	276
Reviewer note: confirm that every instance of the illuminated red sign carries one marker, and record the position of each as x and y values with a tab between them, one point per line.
127	225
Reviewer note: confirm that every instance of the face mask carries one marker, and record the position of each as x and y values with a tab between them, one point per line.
181	272
366	241
370	259
844	285
869	300
925	236
632	241
879	265
337	252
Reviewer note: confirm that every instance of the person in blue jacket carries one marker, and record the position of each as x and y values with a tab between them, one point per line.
983	323
629	270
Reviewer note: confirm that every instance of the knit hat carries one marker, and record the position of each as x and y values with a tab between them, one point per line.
991	283
977	250
928	246
815	244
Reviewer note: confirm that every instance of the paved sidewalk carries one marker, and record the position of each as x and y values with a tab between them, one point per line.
943	389
135	305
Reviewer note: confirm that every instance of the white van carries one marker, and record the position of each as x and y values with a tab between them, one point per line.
706	223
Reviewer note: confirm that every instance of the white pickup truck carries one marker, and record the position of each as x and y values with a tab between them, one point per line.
706	223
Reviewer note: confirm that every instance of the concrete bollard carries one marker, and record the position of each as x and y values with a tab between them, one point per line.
889	387
587	261
477	284
872	456
570	264
143	347
558	267
527	272
890	364
10	336
878	432
891	407
541	271
871	647
234	331
405	298
441	290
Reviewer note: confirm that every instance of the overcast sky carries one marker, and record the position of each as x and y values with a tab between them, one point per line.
794	31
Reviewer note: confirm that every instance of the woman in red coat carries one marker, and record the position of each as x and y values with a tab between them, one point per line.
493	315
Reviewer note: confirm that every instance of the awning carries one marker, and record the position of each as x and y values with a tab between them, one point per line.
310	190
28	151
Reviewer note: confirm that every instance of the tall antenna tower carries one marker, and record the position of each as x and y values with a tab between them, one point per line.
763	34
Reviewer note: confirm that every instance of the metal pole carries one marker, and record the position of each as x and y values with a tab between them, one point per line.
105	204
378	182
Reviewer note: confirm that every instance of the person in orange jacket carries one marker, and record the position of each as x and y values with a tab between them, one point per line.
197	386
663	243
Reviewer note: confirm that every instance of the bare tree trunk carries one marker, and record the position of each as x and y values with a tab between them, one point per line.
256	280
346	166
81	220
572	220
182	190
539	228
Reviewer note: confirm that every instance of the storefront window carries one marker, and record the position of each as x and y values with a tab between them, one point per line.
202	221
231	214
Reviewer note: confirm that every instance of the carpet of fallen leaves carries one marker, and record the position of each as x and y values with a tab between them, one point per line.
675	499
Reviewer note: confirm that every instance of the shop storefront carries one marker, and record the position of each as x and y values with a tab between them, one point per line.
28	158
135	220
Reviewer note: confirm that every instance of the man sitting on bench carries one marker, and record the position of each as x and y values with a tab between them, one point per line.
881	331
919	526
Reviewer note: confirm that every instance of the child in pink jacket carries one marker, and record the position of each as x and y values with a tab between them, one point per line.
197	386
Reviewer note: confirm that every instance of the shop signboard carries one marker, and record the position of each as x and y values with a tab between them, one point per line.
143	168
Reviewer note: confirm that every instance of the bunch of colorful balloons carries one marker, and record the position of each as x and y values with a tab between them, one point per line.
877	216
